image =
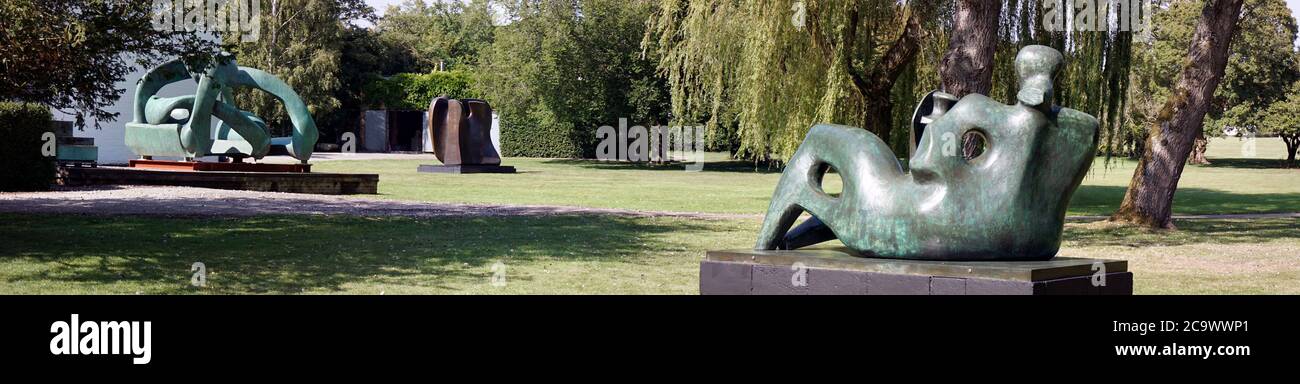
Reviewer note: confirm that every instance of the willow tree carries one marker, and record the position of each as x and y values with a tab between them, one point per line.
763	71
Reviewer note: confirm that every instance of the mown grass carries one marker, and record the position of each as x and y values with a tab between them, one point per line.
1230	185
71	254
304	254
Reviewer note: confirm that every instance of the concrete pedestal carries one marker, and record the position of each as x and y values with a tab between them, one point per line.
290	182
836	271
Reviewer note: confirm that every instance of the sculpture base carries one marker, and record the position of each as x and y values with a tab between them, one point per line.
836	271
458	169
219	167
289	182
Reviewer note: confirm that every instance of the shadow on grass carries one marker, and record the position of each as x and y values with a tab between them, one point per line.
1188	232
290	254
1096	200
1246	163
736	166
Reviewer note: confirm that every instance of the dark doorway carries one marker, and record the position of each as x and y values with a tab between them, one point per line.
404	131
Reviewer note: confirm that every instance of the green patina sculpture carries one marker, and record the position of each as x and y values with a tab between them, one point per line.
182	126
1007	202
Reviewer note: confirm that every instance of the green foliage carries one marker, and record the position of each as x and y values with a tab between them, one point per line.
1282	118
71	54
447	32
303	43
745	69
570	67
539	134
22	165
414	91
1262	67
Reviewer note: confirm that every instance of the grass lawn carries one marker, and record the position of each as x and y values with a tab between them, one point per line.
53	254
39	254
1233	184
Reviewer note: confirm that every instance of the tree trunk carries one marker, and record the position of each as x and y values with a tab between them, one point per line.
1150	195
875	85
1198	151
967	67
1292	145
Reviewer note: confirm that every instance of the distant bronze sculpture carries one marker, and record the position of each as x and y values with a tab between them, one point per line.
462	132
182	126
955	202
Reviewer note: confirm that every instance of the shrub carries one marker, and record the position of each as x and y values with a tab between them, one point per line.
538	134
414	91
22	165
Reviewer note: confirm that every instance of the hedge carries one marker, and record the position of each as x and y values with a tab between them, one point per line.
22	165
414	91
538	134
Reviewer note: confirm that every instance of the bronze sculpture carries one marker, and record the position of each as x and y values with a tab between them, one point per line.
462	132
182	126
1006	202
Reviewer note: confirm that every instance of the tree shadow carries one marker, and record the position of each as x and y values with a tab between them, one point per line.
1188	232
735	166
1246	163
1097	200
292	254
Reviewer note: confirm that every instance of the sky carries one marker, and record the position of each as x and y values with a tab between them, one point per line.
381	5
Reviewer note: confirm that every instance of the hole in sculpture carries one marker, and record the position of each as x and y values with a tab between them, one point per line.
973	144
180	114
831	184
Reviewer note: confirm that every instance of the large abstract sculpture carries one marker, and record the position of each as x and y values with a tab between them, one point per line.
955	202
182	126
462	137
462	131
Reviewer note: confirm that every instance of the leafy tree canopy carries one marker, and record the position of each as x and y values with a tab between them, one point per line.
71	54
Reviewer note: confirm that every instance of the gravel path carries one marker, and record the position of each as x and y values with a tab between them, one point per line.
186	201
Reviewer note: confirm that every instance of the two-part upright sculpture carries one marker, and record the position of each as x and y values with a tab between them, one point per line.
461	131
1006	203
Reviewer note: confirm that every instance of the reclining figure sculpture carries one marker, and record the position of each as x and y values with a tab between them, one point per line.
182	126
1006	203
462	131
